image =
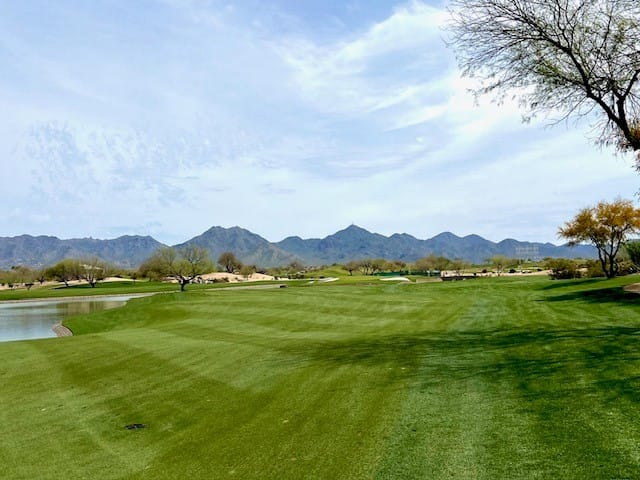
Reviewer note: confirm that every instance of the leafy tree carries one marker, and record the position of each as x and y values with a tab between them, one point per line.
8	278
432	262
229	262
182	265
606	226
574	57
500	262
393	266
65	271
23	275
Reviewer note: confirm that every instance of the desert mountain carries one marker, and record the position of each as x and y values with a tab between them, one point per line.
127	251
250	248
352	243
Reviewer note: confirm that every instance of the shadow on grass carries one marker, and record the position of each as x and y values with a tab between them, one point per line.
539	362
602	295
571	283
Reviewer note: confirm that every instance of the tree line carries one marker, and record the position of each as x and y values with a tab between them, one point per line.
92	270
607	226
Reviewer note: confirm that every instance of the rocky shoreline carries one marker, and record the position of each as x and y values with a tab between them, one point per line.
61	331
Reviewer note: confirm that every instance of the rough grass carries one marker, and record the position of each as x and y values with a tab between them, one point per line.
483	379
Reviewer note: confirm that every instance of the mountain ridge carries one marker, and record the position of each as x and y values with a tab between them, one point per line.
350	243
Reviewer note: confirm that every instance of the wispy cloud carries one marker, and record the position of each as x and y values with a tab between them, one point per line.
381	67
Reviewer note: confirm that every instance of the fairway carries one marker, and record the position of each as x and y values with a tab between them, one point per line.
483	379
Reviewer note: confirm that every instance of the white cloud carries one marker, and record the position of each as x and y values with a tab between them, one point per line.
357	75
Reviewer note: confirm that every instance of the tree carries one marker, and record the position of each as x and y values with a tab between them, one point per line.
570	56
500	262
92	270
459	266
247	270
182	265
8	278
366	266
606	226
378	265
351	265
41	275
64	271
432	262
23	275
229	262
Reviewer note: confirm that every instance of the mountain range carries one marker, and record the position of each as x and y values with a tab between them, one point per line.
352	243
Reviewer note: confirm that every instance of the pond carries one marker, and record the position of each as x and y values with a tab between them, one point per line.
31	319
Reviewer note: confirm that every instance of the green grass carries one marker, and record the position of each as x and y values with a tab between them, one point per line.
107	288
484	379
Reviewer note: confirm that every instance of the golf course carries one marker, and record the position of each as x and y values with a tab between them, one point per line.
493	378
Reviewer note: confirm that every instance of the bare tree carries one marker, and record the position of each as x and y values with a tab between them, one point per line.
574	57
366	266
351	265
92	270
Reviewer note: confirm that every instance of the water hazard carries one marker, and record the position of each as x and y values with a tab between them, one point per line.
35	319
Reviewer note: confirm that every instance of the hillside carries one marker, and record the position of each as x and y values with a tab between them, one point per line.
354	243
127	251
250	248
351	243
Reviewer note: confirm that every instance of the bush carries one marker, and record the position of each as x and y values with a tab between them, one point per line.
563	268
633	251
593	269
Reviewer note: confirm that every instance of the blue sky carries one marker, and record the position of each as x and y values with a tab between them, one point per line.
285	117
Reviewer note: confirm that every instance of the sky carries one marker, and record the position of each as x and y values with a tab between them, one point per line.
284	117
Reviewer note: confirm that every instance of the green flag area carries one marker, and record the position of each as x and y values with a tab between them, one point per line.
481	379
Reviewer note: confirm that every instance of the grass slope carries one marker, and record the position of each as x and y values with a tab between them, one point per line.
107	288
485	379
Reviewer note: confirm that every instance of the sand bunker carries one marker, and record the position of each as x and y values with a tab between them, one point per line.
234	278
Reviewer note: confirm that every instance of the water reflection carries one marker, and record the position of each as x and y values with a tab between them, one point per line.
28	320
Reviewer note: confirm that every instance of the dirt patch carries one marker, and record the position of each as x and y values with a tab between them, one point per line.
233	278
634	287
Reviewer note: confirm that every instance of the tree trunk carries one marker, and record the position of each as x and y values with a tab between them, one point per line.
602	256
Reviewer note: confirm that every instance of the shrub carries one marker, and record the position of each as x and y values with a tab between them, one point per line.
562	268
593	269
